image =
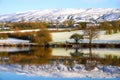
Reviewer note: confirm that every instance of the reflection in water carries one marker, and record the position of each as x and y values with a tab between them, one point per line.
87	59
14	49
91	60
77	54
41	55
41	61
37	55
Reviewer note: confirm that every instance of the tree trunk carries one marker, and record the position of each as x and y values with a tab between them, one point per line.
90	47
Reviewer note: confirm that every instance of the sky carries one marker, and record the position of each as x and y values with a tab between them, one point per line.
12	6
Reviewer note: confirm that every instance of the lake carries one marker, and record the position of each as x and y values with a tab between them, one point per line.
39	63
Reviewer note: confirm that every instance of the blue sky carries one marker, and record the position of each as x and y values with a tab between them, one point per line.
11	6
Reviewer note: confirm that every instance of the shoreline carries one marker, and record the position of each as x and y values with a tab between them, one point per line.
63	45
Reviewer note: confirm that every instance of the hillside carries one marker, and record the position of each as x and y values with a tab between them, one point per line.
78	15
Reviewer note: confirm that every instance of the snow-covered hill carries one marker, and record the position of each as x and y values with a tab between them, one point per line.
78	15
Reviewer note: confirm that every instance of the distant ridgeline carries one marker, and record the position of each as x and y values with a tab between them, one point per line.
60	15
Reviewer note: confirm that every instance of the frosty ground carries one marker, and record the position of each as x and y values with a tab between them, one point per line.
58	37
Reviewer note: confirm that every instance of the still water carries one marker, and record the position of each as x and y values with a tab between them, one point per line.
41	55
67	56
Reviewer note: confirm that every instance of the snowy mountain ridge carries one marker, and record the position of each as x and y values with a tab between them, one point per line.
78	15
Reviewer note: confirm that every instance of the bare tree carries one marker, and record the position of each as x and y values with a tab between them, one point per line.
43	36
107	27
57	25
91	33
71	23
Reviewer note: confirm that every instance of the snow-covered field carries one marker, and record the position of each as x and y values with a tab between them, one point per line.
110	37
13	41
22	31
62	71
64	36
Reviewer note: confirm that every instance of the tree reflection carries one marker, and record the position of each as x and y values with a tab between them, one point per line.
39	55
111	60
77	54
89	60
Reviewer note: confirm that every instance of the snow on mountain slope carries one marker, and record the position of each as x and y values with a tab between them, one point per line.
78	15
